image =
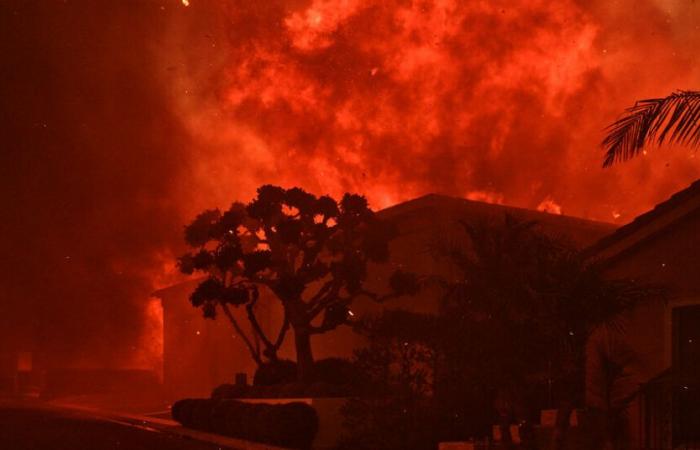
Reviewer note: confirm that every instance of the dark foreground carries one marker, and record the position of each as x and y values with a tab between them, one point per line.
33	426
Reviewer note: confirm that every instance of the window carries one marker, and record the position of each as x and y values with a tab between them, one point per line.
686	348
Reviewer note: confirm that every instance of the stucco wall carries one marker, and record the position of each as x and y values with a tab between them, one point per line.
671	258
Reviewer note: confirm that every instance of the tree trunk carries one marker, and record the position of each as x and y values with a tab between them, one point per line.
305	357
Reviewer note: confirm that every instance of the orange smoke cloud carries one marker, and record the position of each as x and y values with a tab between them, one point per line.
395	99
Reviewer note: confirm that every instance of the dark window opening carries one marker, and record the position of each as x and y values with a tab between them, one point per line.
686	369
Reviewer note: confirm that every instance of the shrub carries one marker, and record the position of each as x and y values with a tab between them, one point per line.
276	372
248	421
322	389
289	390
219	418
389	423
336	371
296	422
182	411
333	377
291	425
176	410
230	391
396	411
202	414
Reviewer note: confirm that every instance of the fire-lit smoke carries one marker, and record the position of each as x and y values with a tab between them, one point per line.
127	118
502	101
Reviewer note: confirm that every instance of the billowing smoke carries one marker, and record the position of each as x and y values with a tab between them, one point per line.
498	100
126	118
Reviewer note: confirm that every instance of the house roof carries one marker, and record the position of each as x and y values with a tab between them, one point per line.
649	225
166	292
435	207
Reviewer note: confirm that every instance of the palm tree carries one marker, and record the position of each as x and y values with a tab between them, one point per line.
675	118
539	301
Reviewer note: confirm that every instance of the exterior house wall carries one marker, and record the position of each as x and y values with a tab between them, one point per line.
668	256
671	259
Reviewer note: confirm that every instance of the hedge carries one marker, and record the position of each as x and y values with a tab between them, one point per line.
292	425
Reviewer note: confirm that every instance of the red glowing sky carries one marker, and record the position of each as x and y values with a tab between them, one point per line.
127	118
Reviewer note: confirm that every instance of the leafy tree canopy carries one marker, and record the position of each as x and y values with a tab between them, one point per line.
311	253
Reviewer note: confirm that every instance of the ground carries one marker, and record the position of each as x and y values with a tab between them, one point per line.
35	426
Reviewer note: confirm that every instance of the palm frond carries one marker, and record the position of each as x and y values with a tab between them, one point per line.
675	118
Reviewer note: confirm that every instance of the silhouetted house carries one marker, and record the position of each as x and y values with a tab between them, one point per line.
199	354
653	362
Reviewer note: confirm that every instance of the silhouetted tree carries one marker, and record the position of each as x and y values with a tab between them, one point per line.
310	253
515	320
537	300
675	118
396	409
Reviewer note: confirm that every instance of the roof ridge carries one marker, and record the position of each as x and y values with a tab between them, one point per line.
453	198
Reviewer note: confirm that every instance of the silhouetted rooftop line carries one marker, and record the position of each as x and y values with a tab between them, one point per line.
649	224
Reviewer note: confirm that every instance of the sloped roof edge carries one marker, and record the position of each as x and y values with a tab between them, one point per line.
649	224
432	199
162	293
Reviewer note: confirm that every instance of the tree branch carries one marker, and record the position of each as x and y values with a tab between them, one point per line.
374	296
325	300
251	348
270	348
256	326
323	328
282	333
256	341
313	301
